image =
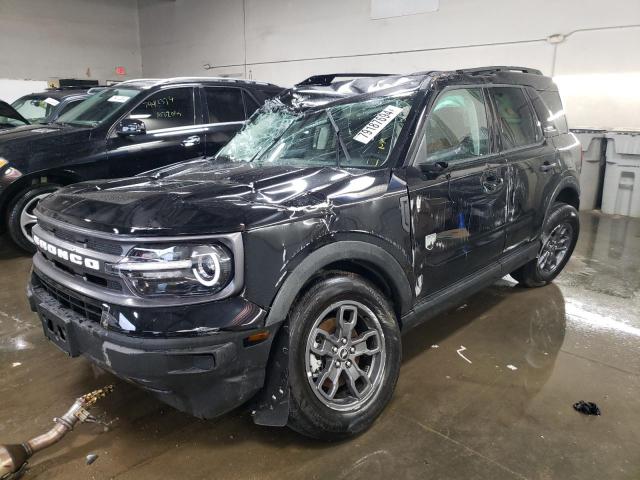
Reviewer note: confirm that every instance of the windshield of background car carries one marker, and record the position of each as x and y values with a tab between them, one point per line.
278	135
99	107
36	110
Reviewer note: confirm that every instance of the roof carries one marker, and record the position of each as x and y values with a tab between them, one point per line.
154	82
58	94
320	90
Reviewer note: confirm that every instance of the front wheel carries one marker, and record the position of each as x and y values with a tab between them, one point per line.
559	238
345	353
20	217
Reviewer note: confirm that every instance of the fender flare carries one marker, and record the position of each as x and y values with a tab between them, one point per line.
334	252
567	182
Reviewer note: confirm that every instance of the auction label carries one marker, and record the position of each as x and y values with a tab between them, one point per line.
381	120
118	99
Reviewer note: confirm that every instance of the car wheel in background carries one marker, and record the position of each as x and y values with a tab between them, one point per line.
21	218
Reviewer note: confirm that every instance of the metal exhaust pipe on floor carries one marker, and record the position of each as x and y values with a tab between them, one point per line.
13	458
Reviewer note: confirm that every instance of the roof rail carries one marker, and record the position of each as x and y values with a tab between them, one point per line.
166	81
498	68
326	79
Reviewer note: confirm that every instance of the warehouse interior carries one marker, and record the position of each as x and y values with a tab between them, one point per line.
487	387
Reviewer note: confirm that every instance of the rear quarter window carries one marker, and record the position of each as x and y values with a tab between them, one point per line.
549	102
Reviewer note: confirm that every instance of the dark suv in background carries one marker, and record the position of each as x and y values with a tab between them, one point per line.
47	106
345	212
119	131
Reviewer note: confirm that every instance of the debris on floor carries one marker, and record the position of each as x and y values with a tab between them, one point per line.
588	408
13	458
459	352
92	457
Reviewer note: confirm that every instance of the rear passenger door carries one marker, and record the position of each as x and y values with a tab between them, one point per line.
457	191
225	108
530	159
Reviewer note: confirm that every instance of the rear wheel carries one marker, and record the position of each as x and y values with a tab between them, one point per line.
345	354
559	237
21	218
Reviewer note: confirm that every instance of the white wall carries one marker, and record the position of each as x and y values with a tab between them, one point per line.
42	39
287	40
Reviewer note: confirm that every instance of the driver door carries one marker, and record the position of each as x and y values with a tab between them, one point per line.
457	190
173	133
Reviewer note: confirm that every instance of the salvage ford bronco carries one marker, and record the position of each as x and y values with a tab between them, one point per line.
348	210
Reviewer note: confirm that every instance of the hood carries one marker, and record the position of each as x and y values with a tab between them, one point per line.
8	111
34	147
202	197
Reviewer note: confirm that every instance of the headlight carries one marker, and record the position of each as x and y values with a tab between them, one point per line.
182	270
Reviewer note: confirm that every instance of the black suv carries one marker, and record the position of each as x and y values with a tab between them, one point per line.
135	126
347	211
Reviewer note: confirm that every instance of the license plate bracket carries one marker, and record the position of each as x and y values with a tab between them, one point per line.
59	330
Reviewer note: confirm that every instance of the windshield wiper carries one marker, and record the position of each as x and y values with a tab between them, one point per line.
340	140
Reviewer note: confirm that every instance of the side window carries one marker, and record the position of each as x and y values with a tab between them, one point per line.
166	109
250	104
549	102
224	104
518	124
457	127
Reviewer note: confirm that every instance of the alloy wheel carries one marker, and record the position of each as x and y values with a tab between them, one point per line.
555	248
345	355
27	217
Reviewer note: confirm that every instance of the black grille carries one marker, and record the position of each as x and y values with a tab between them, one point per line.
89	309
97	244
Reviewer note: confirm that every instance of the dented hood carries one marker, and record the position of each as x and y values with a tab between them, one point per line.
203	197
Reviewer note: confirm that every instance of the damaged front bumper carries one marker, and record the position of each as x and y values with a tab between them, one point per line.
205	375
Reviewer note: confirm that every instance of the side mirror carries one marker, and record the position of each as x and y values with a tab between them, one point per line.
549	130
432	168
131	126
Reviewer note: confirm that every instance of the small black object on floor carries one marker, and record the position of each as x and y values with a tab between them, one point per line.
588	408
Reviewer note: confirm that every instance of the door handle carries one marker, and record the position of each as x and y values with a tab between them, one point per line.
546	166
191	141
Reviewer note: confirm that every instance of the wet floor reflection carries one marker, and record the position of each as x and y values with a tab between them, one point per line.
500	408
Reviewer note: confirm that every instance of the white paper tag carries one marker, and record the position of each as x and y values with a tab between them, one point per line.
51	101
381	120
118	98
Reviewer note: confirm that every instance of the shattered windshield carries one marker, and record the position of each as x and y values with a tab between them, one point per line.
358	134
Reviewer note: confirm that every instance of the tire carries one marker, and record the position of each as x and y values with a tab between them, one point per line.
20	217
545	267
366	366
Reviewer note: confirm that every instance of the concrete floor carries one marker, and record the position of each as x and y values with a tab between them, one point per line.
504	413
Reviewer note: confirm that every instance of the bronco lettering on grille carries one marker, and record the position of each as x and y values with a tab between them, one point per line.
66	255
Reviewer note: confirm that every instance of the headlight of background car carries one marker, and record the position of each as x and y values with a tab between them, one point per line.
181	270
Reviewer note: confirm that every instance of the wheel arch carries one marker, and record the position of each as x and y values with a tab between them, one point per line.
34	179
368	260
566	191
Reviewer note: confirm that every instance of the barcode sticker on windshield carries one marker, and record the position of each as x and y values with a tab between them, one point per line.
118	98
381	120
51	101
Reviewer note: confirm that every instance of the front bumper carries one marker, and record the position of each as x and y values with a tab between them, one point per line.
204	375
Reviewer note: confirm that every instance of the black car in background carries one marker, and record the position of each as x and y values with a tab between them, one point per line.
47	106
345	212
132	127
